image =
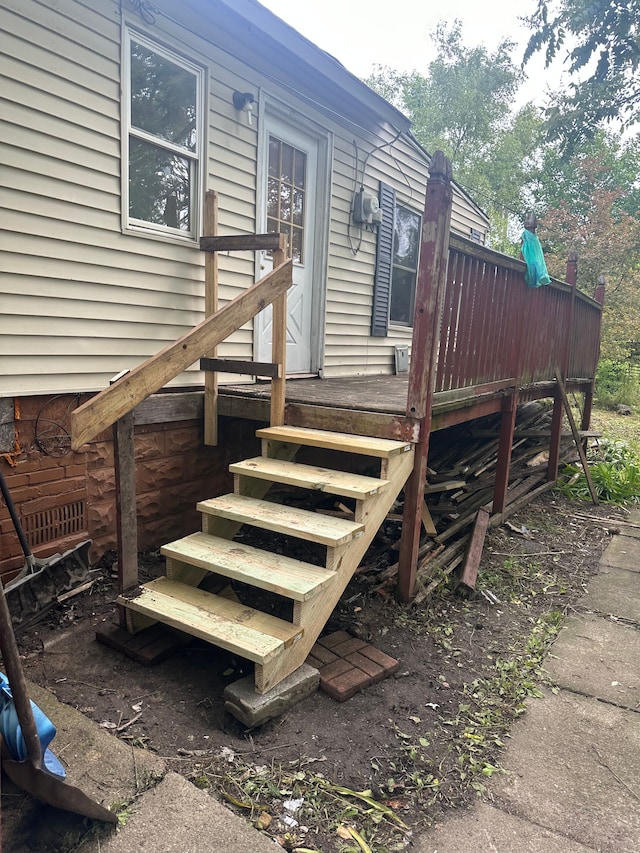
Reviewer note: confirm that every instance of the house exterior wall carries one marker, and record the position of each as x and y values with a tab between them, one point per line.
63	498
83	300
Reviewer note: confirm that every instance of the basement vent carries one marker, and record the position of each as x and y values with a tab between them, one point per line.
59	522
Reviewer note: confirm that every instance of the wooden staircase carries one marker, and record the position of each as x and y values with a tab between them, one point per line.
276	646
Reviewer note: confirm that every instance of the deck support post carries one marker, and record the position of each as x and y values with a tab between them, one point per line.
556	437
430	286
126	511
505	445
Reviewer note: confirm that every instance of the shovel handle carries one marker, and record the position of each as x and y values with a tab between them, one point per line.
14	517
18	685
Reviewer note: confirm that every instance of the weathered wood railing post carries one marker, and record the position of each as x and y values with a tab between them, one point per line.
588	397
124	467
430	288
571	277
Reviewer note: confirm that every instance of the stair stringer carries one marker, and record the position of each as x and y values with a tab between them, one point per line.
312	615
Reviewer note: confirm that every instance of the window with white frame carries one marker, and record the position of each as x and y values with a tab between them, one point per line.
397	256
404	274
164	97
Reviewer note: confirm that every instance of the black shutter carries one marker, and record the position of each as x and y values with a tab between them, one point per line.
384	263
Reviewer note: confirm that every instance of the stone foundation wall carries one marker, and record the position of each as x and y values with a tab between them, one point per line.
63	497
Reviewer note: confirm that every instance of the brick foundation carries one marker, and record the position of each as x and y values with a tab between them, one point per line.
63	497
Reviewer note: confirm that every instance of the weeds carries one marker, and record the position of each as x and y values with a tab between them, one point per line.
615	471
521	579
478	731
297	807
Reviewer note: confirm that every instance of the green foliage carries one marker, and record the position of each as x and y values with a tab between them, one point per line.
615	384
606	163
589	203
462	106
615	471
600	39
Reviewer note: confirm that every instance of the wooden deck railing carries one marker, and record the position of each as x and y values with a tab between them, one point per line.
479	329
494	328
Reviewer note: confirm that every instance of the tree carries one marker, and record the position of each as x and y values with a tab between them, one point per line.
592	220
601	38
463	107
604	163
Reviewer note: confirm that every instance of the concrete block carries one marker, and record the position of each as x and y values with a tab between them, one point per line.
573	763
597	657
253	709
486	828
623	553
614	592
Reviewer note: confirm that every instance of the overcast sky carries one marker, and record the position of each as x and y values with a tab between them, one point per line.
363	33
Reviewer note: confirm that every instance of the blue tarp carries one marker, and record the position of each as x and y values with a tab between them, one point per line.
12	733
536	274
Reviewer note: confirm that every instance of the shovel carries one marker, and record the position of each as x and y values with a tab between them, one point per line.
36	587
30	775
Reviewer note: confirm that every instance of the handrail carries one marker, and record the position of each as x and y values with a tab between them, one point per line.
103	410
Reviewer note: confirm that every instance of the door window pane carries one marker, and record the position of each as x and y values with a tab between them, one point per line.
286	194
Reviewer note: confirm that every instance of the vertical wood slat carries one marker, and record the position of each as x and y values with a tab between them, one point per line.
210	307
279	342
432	276
465	367
588	397
484	323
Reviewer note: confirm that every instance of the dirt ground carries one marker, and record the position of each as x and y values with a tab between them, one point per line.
421	742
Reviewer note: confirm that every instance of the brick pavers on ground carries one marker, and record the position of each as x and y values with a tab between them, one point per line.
348	665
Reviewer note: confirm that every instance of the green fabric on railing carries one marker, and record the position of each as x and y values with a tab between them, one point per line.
536	274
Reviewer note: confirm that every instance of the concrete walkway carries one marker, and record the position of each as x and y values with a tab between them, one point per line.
573	784
574	758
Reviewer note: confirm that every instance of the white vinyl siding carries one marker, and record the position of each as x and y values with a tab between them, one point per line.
81	299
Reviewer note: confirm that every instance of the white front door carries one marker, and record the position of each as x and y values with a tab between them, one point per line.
290	205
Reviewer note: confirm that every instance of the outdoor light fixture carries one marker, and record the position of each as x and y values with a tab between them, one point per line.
244	101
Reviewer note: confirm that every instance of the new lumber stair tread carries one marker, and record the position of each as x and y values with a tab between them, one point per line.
283	519
310	477
383	448
274	572
241	630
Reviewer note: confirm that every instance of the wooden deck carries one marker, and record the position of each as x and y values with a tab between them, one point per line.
374	405
482	343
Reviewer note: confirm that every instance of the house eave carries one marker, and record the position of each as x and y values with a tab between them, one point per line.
272	47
